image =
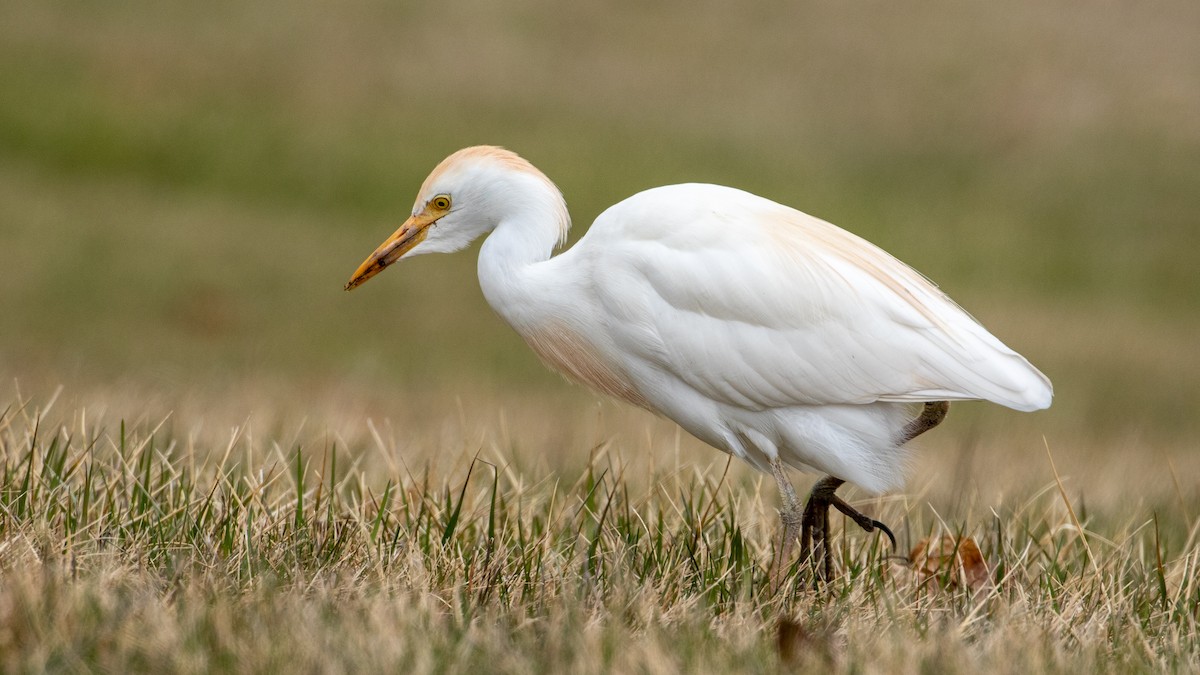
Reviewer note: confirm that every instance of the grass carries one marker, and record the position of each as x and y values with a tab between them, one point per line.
185	187
135	545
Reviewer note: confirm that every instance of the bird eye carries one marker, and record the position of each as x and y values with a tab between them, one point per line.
440	202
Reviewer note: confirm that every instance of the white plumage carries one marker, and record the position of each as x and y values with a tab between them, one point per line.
761	330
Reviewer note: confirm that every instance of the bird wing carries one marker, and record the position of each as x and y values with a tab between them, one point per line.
758	305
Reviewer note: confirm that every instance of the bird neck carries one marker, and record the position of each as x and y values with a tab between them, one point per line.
522	241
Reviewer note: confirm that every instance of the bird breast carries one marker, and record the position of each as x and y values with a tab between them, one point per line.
566	351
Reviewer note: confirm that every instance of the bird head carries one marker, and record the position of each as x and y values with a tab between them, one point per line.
466	196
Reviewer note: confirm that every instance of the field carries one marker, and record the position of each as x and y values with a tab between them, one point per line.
215	459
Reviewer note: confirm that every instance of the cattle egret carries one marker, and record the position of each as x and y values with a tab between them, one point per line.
765	332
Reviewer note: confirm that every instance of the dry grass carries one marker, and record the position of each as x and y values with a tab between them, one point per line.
344	544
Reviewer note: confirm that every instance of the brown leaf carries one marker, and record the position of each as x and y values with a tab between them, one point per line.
950	561
804	647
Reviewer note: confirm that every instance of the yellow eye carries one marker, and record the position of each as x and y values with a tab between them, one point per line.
440	202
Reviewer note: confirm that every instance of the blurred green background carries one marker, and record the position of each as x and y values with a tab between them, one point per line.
186	186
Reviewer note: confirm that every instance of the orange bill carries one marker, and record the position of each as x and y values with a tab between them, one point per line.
411	233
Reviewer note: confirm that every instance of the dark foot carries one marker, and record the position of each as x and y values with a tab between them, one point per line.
814	524
814	527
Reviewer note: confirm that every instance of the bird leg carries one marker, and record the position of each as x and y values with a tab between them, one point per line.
813	521
931	415
814	532
814	529
789	514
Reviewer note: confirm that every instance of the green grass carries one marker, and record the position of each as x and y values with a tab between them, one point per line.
185	187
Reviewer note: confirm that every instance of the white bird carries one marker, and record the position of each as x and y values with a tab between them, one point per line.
765	332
